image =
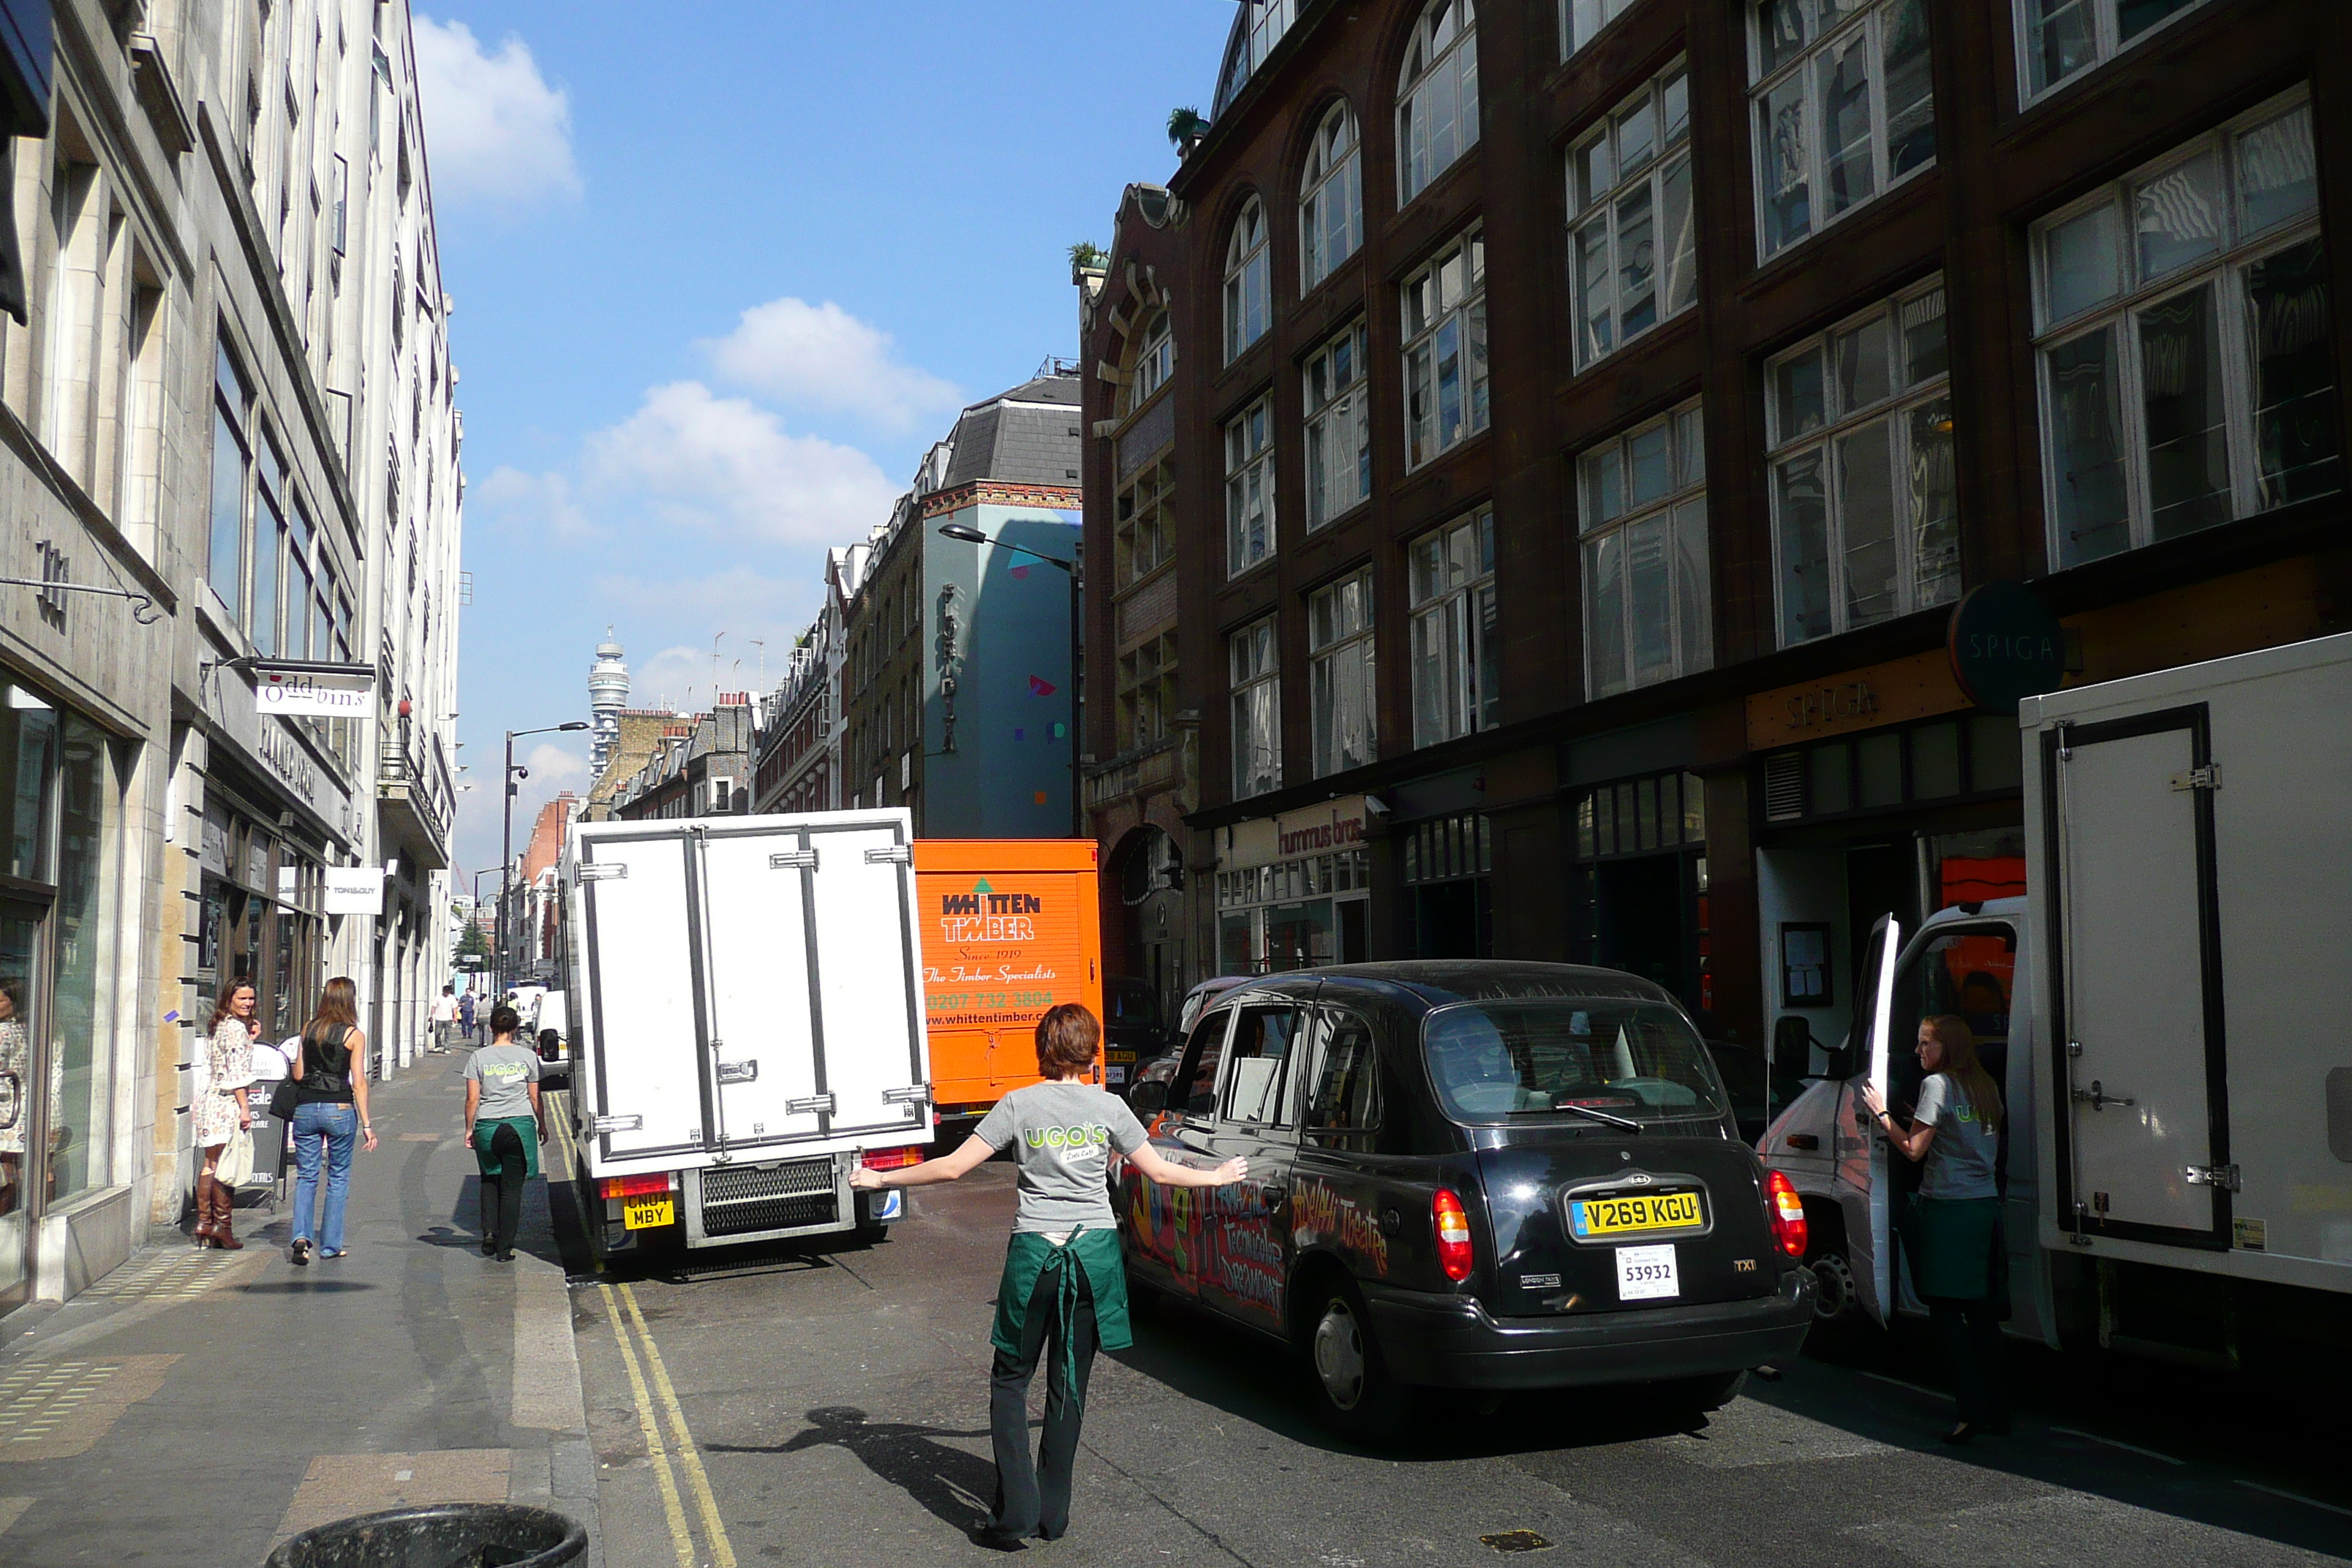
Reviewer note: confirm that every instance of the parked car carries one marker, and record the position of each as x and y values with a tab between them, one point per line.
1188	1012
1132	1032
1475	1176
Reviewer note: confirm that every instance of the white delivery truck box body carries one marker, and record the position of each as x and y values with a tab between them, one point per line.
748	1011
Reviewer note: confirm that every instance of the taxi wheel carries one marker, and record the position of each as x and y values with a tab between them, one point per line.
1358	1398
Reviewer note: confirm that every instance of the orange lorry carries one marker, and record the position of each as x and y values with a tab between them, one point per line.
1010	927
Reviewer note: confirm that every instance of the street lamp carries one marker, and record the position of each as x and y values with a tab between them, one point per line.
505	866
970	535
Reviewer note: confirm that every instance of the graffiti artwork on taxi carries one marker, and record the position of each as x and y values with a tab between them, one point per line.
1219	1236
1321	1214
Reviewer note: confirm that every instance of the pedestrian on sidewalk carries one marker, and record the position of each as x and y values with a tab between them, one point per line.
221	1109
504	1125
466	1016
16	1069
1065	1283
1955	1259
445	1017
330	1115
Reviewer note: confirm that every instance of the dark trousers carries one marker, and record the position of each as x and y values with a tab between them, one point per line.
502	1188
1037	1501
1971	1334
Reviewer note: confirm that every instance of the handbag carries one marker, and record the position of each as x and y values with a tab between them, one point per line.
285	1099
236	1165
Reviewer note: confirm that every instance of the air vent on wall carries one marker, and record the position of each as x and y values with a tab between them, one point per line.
1784	787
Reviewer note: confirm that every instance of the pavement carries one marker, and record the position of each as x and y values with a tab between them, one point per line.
196	1407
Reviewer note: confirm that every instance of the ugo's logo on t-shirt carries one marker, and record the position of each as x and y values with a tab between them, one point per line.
1066	1137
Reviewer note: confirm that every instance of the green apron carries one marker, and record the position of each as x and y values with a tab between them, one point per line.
1954	1256
1030	1255
526	1128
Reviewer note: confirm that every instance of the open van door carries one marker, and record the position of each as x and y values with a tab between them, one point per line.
1873	1253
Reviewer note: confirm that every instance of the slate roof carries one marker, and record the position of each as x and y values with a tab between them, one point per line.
1009	437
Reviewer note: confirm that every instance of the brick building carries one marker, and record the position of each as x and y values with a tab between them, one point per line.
1542	445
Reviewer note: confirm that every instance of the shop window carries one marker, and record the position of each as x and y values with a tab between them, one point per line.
1248	280
2058	39
1143	534
1453	651
1940	759
1844	107
1640	817
1249	488
1437	95
1340	675
1866	515
1446	868
2187	366
1634	250
1446	350
1256	680
1339	429
1641	499
1331	212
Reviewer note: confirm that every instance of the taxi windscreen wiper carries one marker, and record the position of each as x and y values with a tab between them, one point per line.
1625	1123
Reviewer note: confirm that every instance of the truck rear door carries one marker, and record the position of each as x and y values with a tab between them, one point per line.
641	974
2142	1112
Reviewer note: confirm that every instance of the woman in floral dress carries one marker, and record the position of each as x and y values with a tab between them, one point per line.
221	1110
16	1093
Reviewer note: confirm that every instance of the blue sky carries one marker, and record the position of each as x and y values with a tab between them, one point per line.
722	273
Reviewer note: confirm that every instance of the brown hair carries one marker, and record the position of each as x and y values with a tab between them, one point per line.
228	995
1963	1067
338	1007
1067	1036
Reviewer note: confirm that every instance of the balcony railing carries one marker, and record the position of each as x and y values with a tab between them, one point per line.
415	793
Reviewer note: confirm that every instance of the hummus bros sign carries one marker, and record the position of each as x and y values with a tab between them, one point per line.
1322	829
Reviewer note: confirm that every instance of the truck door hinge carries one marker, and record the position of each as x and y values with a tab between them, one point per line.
603	871
2098	1099
740	1072
815	1104
792	860
602	1125
891	855
913	1094
2207	777
2222	1176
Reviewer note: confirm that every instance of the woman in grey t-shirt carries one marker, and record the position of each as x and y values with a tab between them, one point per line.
1064	1284
1956	1131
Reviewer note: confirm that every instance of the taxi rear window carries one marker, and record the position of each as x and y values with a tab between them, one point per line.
1514	1061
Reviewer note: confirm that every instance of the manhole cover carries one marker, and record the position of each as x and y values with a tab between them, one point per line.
1516	1540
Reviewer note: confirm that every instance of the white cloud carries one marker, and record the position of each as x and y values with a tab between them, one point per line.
820	356
494	129
554	769
749	608
725	465
535	500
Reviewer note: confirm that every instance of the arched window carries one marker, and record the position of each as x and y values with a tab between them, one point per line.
1246	280
1437	96
1331	212
1152	363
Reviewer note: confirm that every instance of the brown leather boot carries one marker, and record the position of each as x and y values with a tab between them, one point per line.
204	1209
224	1207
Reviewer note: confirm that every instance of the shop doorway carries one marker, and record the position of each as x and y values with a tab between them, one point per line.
1641	919
22	1158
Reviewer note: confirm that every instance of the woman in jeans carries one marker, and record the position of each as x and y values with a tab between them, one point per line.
221	1110
330	1109
1956	1133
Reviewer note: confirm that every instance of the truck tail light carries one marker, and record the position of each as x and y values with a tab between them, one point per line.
1452	1222
893	1158
638	1187
1788	1212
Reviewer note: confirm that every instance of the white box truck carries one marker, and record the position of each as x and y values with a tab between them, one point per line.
747	1021
2163	1012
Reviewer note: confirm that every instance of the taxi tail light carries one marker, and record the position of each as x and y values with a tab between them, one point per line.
1788	1214
1452	1223
638	1187
893	1158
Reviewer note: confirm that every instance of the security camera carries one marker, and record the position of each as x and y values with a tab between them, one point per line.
1375	807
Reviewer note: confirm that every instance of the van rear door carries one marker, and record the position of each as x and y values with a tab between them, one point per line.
1863	1154
639	1019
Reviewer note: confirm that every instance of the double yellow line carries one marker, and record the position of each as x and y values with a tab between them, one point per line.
644	1360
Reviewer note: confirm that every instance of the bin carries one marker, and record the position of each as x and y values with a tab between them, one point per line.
450	1535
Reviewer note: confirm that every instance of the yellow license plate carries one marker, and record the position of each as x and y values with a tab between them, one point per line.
1639	1214
646	1213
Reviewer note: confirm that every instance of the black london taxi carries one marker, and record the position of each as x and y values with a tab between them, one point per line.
1473	1175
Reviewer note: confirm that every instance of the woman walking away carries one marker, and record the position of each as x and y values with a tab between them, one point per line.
330	1114
221	1110
1065	1286
504	1125
1956	1129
